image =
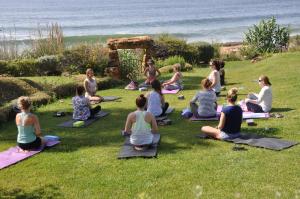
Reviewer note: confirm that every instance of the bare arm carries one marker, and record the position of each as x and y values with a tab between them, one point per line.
154	124
158	72
145	71
37	126
86	87
128	124
174	78
222	121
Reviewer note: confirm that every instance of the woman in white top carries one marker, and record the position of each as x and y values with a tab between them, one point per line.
207	101
262	102
141	125
156	102
90	86
214	77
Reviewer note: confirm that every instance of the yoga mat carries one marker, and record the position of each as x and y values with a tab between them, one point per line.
259	141
110	98
13	155
128	151
164	91
69	124
251	115
204	118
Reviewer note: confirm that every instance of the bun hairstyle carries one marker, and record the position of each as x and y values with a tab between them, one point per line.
265	80
232	95
24	102
206	83
141	101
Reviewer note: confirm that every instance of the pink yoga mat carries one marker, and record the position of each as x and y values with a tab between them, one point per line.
13	154
164	91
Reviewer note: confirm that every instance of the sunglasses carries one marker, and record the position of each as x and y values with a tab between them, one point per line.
259	80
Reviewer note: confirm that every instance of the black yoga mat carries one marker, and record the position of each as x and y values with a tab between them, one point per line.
110	98
260	141
69	124
128	150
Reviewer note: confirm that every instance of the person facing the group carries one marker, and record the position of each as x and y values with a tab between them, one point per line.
156	102
222	73
206	99
29	130
230	120
90	86
141	125
261	102
214	77
176	81
81	105
151	72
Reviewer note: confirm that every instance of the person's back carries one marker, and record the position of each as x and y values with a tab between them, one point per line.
265	98
233	119
81	108
141	129
154	103
25	125
207	105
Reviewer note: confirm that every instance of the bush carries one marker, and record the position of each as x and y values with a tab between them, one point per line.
200	52
130	63
267	37
48	65
23	67
83	56
171	61
294	43
3	67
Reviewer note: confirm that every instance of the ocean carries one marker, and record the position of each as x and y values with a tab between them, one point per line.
193	20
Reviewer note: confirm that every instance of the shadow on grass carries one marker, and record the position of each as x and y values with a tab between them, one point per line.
49	191
281	109
268	132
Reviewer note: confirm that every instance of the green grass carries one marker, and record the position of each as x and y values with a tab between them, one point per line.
84	165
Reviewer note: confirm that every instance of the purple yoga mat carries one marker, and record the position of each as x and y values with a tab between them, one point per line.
13	155
164	91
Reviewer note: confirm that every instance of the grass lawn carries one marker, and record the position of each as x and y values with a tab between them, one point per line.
84	165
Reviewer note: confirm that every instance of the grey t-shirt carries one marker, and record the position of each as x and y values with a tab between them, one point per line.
206	99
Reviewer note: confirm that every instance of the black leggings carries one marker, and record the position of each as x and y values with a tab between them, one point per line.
32	145
94	111
164	109
254	107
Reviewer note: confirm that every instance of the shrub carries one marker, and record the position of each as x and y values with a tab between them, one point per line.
267	37
83	56
130	62
3	67
200	52
171	61
48	65
294	43
23	67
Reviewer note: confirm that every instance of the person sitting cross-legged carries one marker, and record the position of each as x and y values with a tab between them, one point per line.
141	125
230	121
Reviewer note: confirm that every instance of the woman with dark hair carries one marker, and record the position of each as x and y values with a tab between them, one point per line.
261	102
214	77
151	72
206	99
82	107
29	130
141	125
230	120
222	73
156	101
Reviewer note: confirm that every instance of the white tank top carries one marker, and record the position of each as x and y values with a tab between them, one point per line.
217	87
154	103
92	86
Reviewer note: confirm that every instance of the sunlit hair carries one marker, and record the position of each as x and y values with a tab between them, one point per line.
88	71
79	90
176	67
206	83
232	95
141	101
24	102
265	80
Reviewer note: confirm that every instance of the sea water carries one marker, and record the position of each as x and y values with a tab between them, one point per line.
213	20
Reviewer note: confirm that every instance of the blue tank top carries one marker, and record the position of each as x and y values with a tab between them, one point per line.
26	134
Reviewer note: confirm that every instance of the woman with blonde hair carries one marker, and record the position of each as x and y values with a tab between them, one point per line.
29	130
261	102
230	120
90	86
206	99
176	81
